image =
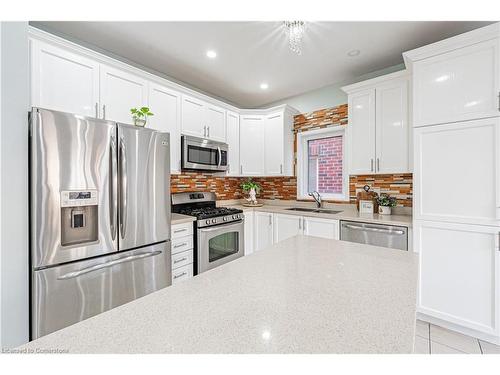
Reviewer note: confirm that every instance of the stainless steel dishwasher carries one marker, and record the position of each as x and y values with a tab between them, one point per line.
394	237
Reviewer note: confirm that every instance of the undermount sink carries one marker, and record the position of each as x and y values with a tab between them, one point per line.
317	210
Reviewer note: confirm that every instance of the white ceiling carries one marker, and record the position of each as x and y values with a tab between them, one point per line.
253	52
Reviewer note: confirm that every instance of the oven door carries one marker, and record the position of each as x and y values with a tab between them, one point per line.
220	244
202	154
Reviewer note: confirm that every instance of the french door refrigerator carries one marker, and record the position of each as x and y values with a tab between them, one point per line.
99	216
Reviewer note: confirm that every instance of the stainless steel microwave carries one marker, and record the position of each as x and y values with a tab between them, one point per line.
203	154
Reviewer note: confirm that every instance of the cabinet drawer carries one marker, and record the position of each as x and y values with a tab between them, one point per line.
182	244
182	259
182	273
181	230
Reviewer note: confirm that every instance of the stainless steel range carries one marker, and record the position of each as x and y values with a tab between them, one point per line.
219	236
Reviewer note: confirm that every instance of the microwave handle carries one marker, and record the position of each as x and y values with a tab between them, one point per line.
219	157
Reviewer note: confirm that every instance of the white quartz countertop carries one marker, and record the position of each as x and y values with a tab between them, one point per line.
180	219
302	295
348	212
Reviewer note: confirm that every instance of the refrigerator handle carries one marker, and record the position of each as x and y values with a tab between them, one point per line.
123	189
113	199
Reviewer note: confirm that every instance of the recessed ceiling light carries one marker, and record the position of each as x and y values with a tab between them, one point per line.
211	54
353	53
264	86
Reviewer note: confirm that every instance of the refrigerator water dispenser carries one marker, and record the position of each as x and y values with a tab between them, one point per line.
79	217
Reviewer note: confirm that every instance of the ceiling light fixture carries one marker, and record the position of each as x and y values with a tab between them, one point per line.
211	54
264	86
353	53
295	31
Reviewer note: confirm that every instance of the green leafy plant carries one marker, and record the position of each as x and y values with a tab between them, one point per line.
386	200
141	113
249	185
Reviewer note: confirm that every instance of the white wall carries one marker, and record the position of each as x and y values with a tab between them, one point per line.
330	96
14	102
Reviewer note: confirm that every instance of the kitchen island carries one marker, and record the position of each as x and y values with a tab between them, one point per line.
302	295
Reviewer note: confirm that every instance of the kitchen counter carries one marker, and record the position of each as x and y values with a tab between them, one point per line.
349	212
302	295
180	219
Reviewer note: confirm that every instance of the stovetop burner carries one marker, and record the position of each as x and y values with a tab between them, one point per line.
209	212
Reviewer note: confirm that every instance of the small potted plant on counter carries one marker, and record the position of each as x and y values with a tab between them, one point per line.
385	204
140	116
252	188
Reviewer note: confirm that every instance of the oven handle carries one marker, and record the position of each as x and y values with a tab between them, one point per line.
223	227
219	157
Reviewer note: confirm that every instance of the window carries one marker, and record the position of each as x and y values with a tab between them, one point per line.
321	163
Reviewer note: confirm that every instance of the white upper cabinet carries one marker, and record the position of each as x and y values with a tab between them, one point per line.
233	141
286	226
63	81
361	132
458	85
203	120
462	162
273	149
166	106
459	274
216	123
252	135
392	131
121	91
263	230
378	128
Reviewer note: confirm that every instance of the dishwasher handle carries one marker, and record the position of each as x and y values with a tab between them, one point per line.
371	229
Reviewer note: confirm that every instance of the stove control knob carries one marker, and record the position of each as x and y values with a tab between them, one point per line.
225	218
214	221
208	221
234	216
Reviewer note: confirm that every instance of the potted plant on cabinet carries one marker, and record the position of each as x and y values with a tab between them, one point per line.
140	116
252	188
385	204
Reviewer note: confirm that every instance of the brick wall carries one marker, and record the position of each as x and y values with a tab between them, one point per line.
327	156
399	185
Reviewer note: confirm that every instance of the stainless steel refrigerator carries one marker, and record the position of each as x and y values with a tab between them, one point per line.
99	216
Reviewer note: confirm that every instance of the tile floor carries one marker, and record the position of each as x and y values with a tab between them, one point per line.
431	339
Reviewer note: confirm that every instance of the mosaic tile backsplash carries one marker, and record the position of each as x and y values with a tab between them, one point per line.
397	185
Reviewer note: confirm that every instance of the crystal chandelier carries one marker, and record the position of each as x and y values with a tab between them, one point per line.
295	32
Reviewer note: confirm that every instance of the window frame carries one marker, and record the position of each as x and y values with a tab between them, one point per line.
303	162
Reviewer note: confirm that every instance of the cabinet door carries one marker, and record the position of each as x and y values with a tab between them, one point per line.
263	230
121	91
459	267
459	85
392	129
273	141
361	132
318	227
166	106
216	123
233	141
457	172
252	145
193	117
286	226
249	232
63	81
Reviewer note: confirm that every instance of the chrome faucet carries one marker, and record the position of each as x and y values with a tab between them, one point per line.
316	197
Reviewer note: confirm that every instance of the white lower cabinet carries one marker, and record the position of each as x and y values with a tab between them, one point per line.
182	252
263	230
286	226
459	274
248	232
318	227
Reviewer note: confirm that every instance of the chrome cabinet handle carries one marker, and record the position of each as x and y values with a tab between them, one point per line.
219	156
96	110
371	165
104	111
113	199
180	230
378	165
281	168
208	131
180	260
270	220
180	275
180	245
304	224
205	131
300	223
241	169
97	267
379	230
123	189
499	100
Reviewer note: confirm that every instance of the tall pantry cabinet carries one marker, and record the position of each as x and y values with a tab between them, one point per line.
456	119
